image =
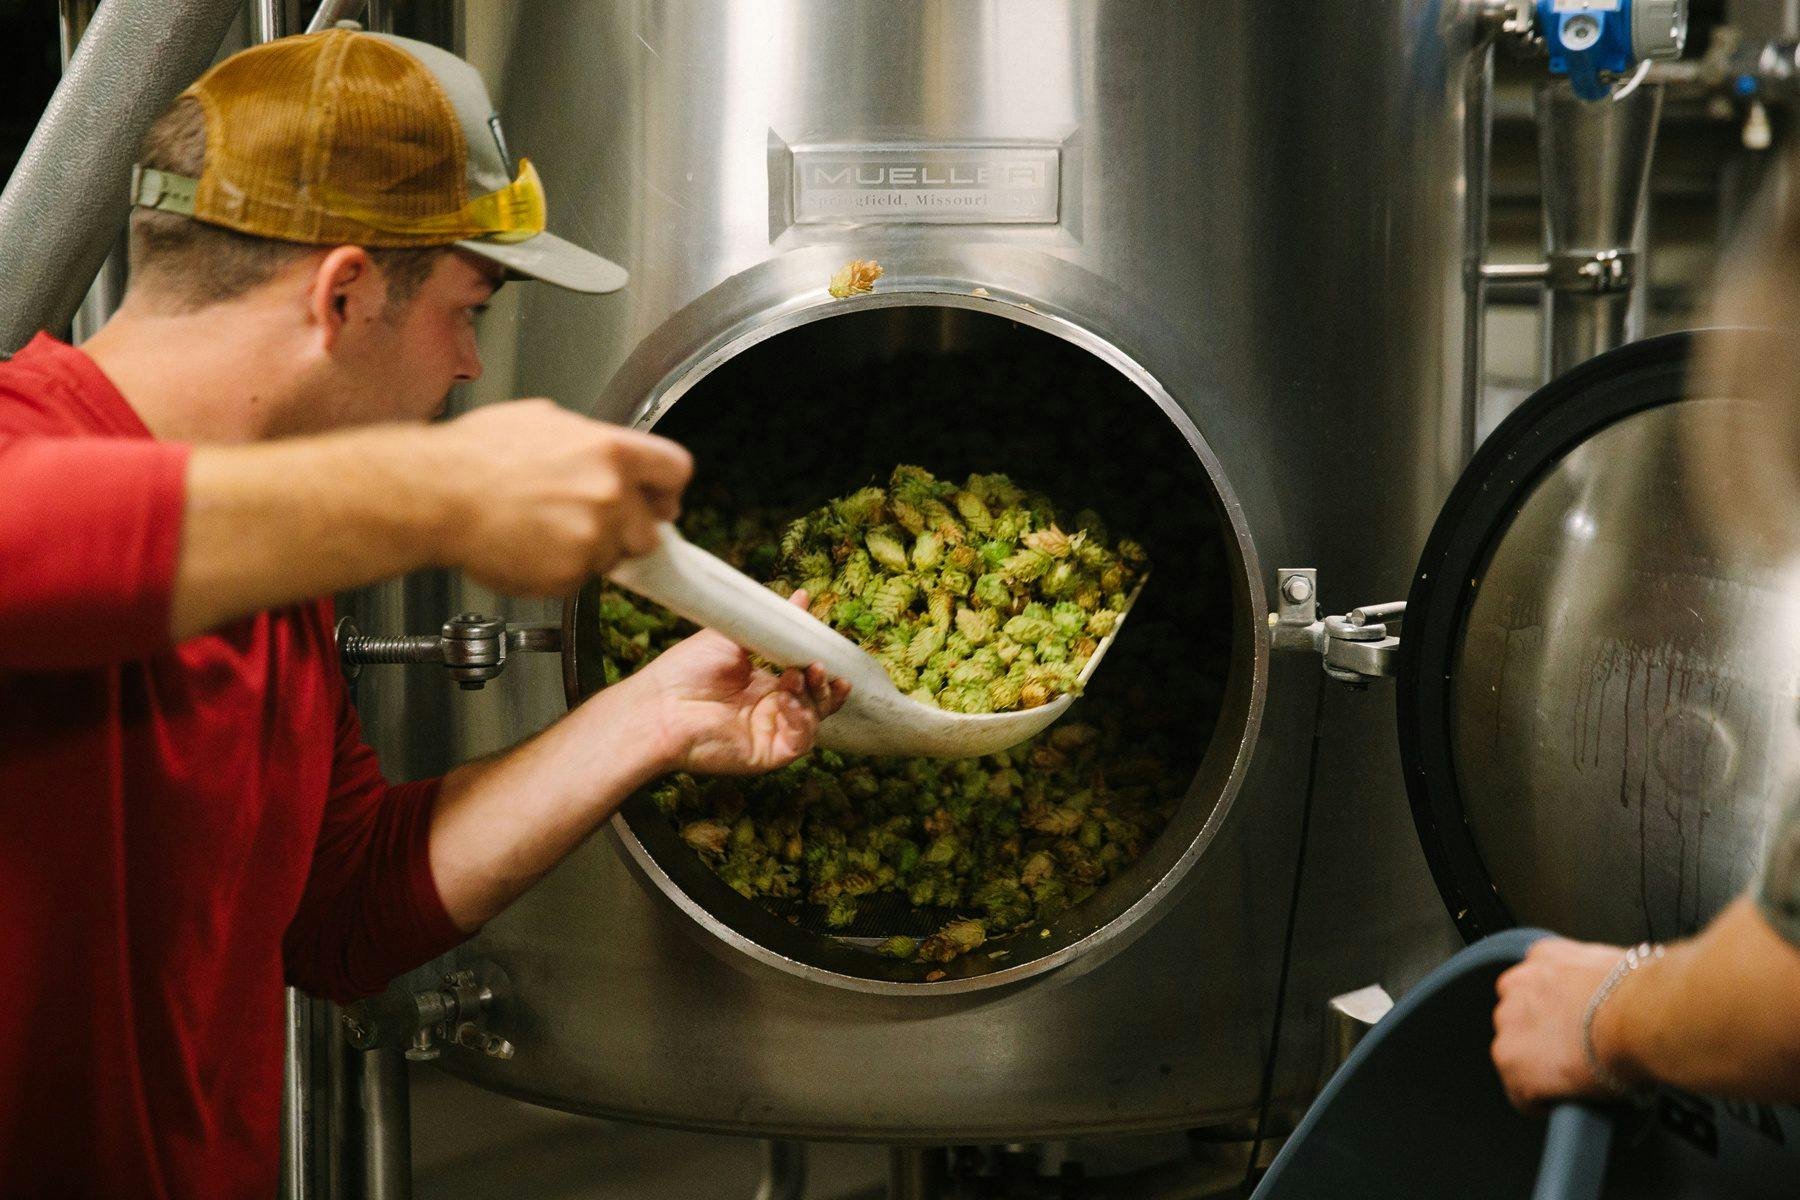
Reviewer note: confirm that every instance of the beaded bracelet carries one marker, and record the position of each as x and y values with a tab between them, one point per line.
1634	958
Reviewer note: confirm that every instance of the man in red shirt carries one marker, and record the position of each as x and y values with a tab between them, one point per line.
190	814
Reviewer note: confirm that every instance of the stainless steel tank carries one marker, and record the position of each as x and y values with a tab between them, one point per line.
1250	214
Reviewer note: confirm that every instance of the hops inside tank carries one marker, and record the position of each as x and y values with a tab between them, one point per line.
978	848
1002	842
974	597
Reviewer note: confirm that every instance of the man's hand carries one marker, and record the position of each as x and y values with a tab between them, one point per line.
1537	1023
720	715
550	498
701	706
526	497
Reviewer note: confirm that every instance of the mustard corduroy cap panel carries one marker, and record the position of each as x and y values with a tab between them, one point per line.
332	137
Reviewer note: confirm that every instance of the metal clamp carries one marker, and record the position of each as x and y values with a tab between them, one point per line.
473	648
1355	649
422	1021
1593	272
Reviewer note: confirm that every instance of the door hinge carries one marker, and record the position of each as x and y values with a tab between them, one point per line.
1355	649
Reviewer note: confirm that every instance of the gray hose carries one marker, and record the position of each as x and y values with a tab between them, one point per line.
66	200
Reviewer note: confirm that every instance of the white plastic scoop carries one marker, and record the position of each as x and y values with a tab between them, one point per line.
877	718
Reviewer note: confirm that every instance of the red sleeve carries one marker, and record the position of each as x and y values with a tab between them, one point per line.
371	908
89	531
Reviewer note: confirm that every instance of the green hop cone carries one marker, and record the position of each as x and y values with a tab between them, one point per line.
978	625
892	597
1025	566
925	643
991	589
974	512
886	548
857	574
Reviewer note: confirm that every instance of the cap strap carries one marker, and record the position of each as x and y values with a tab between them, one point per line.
512	214
164	191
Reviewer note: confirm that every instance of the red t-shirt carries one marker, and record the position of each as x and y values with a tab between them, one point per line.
181	827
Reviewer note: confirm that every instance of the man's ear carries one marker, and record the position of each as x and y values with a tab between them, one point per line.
346	291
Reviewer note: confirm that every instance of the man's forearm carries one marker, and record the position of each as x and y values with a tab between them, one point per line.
277	523
1717	1014
503	822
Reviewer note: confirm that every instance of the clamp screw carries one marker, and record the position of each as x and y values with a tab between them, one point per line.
1297	589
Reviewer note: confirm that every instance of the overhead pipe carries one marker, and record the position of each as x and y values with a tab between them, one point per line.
66	200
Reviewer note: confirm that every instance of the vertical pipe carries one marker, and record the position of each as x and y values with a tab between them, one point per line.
1595	162
1478	129
915	1173
385	1103
296	1103
266	22
72	17
108	289
784	1171
330	12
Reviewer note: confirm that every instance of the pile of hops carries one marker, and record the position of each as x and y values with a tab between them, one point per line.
973	598
1012	839
1006	842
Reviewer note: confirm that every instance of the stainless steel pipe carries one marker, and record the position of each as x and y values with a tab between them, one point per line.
1478	137
1595	162
784	1171
108	288
383	1105
66	200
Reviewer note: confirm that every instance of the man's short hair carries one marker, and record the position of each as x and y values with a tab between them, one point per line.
195	264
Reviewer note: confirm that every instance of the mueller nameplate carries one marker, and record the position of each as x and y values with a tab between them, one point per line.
947	185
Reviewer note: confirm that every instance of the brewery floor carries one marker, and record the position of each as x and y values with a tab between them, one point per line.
472	1145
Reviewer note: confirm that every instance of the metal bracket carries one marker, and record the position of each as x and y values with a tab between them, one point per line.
473	648
422	1021
1581	272
1355	649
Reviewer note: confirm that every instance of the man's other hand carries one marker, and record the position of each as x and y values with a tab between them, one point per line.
548	498
721	715
1537	1023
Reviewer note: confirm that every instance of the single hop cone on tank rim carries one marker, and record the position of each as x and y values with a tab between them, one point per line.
855	278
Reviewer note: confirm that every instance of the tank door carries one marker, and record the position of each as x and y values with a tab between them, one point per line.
1597	679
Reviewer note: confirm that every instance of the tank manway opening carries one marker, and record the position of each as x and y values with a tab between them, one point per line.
844	868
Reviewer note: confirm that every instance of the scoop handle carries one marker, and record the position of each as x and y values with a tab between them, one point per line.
712	593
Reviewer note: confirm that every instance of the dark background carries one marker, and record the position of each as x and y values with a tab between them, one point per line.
29	64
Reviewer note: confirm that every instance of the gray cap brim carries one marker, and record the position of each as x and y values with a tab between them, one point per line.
553	260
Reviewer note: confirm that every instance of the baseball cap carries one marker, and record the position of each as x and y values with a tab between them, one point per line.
348	137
